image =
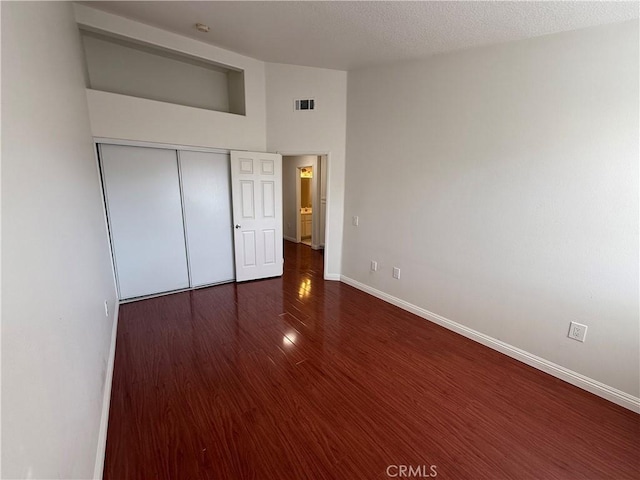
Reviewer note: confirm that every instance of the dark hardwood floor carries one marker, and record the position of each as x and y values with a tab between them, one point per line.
298	378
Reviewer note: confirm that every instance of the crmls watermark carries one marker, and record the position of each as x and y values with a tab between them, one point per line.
419	471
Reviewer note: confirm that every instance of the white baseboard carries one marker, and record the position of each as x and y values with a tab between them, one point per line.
600	389
291	239
336	277
106	400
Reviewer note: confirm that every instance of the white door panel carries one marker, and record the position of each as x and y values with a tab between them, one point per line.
256	185
268	199
206	193
145	219
269	239
248	204
249	248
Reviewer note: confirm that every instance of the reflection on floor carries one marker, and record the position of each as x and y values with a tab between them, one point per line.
298	377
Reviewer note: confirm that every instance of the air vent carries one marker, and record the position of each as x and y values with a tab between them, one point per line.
306	104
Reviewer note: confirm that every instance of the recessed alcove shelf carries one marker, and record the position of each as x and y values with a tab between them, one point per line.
124	66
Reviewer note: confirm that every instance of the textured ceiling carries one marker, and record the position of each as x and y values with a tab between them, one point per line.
348	35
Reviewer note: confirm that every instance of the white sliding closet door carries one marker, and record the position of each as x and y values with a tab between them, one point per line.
142	192
206	194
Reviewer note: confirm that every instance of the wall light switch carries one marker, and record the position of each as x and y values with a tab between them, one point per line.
374	266
396	273
355	221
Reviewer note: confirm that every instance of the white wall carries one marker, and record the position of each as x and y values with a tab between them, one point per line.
117	68
56	270
503	181
130	118
312	132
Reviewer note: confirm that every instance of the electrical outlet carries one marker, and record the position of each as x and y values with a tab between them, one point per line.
355	221
374	266
106	308
577	331
396	273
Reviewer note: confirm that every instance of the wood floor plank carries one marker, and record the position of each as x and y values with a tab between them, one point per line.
301	378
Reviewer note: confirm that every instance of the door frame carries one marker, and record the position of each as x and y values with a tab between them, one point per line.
328	251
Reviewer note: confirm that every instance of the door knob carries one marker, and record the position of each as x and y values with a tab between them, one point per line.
237	226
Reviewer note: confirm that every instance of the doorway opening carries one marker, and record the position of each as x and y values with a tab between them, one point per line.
305	205
304	197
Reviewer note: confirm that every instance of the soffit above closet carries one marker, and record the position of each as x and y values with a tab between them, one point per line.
349	35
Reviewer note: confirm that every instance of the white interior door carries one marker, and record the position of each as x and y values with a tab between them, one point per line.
206	194
256	186
142	194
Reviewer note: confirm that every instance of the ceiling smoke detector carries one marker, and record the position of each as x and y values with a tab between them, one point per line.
201	27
